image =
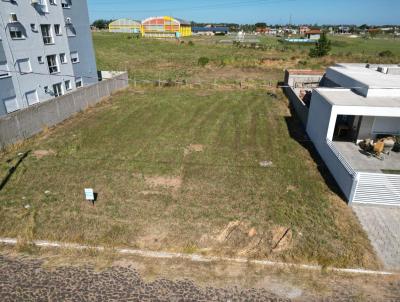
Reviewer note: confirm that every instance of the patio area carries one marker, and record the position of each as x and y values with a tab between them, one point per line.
362	163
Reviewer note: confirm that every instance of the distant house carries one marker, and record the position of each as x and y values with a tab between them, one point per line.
313	34
303	30
210	30
124	26
353	119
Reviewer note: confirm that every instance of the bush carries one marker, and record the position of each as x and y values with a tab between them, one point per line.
386	54
322	48
203	61
191	43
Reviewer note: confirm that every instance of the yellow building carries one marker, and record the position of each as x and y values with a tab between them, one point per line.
125	26
165	27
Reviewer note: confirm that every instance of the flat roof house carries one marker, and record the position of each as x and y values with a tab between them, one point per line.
46	50
358	102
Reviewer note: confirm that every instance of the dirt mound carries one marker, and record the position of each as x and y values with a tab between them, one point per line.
43	153
247	241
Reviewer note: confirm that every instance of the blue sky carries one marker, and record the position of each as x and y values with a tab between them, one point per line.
250	11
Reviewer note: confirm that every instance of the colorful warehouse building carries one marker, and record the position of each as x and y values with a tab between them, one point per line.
165	27
125	26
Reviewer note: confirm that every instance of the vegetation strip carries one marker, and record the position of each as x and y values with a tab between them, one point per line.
191	257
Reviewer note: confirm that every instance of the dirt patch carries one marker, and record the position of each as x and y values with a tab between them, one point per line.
281	238
165	182
193	148
227	231
43	153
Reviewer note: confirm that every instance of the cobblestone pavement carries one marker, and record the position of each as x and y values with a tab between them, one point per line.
382	225
27	281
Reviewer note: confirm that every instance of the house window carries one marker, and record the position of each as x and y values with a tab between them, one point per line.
63	58
13	17
46	33
74	57
4	70
40	60
66	3
16	32
53	65
24	66
32	97
78	82
57	29
57	90
68	85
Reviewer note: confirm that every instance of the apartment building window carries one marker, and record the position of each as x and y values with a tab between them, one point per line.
16	32
4	70
40	60
46	33
24	66
68	85
70	29
63	58
57	29
57	90
53	65
78	82
74	57
33	27
66	3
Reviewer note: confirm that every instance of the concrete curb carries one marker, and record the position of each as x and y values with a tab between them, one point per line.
194	257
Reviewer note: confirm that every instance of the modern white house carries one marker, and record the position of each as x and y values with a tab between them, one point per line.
356	102
364	103
46	50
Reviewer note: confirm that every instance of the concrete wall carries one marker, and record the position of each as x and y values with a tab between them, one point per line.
25	123
299	107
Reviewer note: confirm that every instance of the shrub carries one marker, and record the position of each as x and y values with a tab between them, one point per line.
322	48
203	61
386	54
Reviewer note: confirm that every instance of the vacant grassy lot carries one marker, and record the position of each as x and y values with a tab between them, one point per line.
180	170
153	59
215	171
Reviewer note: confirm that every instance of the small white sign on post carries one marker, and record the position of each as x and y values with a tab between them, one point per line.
89	194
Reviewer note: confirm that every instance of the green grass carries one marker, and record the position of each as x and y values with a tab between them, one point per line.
119	147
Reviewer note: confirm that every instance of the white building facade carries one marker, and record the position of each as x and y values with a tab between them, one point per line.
362	102
46	50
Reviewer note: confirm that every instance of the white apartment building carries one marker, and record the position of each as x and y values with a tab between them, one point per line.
46	50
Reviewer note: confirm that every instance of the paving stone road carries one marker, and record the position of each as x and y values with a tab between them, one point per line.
27	281
382	225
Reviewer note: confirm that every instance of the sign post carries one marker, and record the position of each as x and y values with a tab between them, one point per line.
89	195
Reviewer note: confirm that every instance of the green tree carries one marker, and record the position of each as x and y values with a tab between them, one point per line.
322	47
